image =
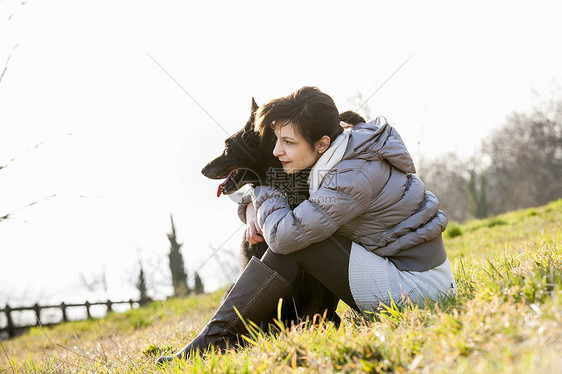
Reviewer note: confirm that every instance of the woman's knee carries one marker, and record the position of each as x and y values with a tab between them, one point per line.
285	265
273	259
334	243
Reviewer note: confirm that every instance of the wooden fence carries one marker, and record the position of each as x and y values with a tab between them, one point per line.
12	329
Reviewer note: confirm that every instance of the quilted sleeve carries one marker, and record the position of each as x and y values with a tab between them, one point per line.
343	195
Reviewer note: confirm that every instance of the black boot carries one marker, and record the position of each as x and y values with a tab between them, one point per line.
255	294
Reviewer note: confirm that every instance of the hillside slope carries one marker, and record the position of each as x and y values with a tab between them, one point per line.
507	317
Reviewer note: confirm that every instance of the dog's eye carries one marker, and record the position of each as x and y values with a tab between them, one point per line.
225	152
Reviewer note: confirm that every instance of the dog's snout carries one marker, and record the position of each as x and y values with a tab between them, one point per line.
207	171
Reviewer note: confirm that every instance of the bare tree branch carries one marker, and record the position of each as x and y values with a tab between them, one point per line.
15	158
229	268
7	61
95	281
8	215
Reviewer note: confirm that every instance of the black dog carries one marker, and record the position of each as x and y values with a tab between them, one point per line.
248	159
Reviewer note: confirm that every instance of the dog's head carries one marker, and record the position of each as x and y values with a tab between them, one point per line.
246	158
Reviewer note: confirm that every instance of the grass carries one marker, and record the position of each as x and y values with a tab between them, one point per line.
506	318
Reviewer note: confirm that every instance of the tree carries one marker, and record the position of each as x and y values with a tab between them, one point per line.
520	165
198	288
142	287
96	281
179	275
446	177
526	159
476	194
359	103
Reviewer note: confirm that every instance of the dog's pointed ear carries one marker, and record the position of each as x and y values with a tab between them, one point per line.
250	124
255	106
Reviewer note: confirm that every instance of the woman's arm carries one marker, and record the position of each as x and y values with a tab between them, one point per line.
248	215
244	202
343	197
254	234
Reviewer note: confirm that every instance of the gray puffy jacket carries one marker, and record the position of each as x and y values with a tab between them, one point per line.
370	196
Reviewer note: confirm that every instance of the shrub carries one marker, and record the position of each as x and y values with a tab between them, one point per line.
453	230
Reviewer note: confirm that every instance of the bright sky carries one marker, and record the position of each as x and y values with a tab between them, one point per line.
122	144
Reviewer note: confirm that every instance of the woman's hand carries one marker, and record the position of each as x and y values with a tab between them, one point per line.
253	232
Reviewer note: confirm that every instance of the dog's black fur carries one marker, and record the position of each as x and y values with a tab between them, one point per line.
248	159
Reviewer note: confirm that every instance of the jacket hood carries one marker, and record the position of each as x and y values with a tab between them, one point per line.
377	140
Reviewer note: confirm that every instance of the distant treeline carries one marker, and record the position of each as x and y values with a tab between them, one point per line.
519	165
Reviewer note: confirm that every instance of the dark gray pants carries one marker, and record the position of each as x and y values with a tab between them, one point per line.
327	261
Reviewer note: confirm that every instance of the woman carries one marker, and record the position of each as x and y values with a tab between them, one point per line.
369	231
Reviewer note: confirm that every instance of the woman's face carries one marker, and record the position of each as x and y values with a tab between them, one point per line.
293	150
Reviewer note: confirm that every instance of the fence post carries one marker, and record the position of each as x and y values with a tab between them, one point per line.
63	309
37	310
11	327
87	305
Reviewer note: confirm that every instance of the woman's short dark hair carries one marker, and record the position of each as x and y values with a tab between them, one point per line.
312	113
